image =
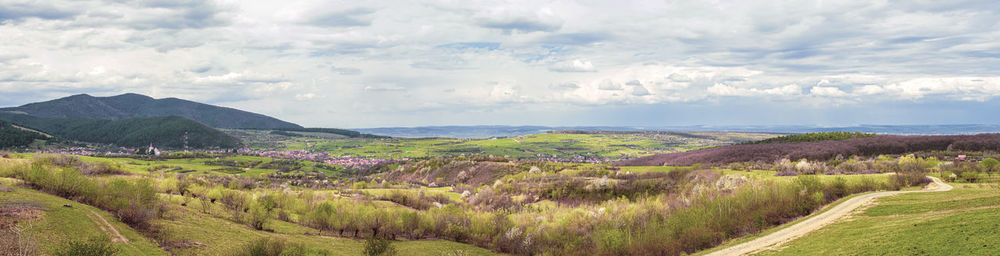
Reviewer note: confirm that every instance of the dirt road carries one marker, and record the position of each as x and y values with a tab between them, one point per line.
800	229
107	228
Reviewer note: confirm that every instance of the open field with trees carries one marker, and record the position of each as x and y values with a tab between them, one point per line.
203	203
563	146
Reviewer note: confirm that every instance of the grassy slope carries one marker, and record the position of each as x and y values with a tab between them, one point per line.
221	235
60	224
963	221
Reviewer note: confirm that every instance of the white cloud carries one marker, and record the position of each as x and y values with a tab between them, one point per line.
574	66
827	91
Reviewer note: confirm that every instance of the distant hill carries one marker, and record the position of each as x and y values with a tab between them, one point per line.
83	106
341	132
821	150
132	132
12	135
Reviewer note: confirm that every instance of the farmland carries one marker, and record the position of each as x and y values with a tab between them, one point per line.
602	146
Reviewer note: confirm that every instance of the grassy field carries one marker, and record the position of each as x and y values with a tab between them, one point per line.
192	165
555	145
56	224
220	235
963	221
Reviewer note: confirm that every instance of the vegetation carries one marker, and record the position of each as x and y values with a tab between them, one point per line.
13	136
96	246
127	106
135	132
473	204
961	221
809	137
578	147
347	133
823	150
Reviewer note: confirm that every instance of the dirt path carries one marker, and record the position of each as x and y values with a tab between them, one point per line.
800	229
108	228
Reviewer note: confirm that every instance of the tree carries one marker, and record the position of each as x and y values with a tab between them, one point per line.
989	164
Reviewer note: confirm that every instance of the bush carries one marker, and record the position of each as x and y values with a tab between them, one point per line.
379	247
97	246
274	247
948	176
970	176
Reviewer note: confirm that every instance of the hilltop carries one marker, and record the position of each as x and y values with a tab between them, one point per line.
130	105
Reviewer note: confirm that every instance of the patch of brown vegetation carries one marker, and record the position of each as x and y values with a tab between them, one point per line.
11	213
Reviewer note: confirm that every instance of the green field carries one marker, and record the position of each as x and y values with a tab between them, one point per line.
56	224
554	145
964	221
197	165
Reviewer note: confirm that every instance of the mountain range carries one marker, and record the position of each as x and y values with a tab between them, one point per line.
83	106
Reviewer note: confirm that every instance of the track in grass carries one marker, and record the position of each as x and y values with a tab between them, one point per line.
107	227
802	228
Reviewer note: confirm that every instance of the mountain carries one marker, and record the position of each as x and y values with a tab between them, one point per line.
166	131
83	106
12	135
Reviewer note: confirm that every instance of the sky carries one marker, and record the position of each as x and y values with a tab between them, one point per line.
386	63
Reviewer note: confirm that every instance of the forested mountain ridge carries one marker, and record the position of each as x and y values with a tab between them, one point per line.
132	132
130	105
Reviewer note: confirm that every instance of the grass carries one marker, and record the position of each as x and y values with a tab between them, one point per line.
221	236
527	146
958	222
59	224
190	165
428	191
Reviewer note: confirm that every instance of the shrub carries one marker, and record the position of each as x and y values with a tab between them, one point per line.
948	176
970	176
379	247
97	246
258	216
275	247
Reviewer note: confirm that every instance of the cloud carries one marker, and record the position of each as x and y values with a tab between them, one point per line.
576	39
519	24
384	88
728	90
18	11
489	46
565	86
574	66
827	91
356	17
608	85
346	71
414	62
640	91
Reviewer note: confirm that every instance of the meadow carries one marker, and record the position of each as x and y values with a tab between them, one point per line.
958	222
555	146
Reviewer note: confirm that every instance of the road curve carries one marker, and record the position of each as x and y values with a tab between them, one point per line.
816	222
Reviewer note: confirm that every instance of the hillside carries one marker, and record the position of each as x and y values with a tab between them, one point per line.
131	105
132	132
16	136
821	150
